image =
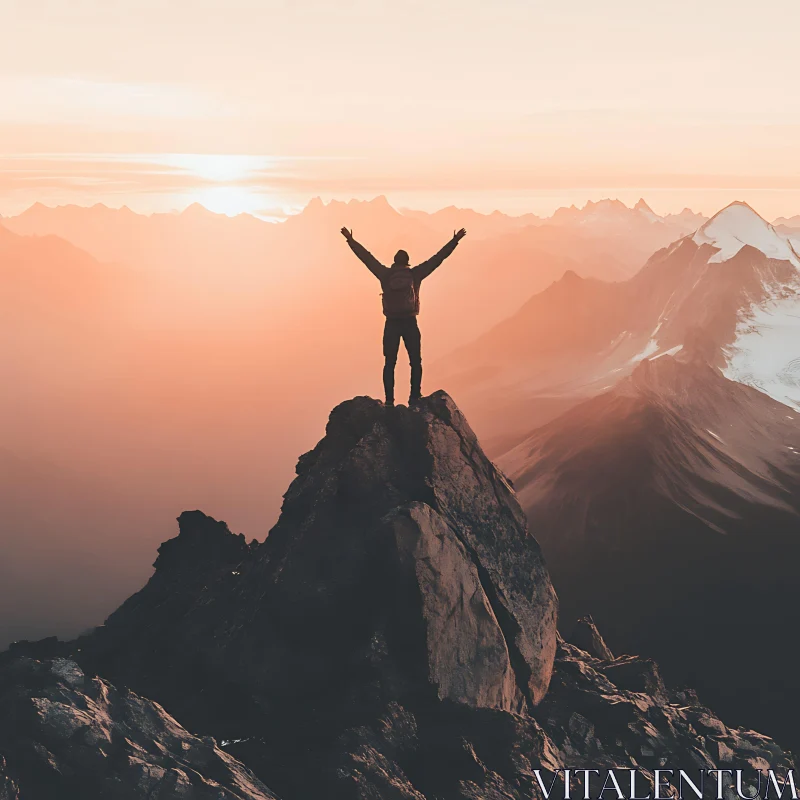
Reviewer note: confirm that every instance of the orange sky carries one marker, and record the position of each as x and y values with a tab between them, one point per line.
515	104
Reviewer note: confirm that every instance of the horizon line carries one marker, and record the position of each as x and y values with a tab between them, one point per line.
270	218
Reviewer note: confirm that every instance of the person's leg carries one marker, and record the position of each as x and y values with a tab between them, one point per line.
391	344
413	342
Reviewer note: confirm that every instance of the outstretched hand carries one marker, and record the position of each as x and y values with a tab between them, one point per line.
459	235
348	234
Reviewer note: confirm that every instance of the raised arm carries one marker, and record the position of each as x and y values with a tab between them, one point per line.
370	262
426	267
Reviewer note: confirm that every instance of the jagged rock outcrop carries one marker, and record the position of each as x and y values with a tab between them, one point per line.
375	461
401	573
586	636
598	714
617	713
66	735
394	638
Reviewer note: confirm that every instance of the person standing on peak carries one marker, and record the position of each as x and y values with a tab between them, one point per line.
400	284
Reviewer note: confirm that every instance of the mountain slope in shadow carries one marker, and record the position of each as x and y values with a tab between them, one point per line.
669	508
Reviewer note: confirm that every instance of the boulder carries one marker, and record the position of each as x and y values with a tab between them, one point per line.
468	658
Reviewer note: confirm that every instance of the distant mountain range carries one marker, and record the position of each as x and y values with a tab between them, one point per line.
600	213
788	222
732	290
112	234
260	273
614	215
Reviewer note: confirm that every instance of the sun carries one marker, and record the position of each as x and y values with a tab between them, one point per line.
228	184
219	167
229	200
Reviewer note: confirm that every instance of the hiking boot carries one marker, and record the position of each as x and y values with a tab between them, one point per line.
389	403
415	398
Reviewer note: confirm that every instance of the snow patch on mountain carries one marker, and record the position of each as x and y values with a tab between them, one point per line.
738	225
650	348
673	351
766	351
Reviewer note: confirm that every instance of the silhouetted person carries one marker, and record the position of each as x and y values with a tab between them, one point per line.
400	284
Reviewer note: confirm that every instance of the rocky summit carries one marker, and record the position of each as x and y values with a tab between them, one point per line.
393	637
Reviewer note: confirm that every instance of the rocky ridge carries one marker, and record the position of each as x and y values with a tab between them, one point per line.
394	637
67	735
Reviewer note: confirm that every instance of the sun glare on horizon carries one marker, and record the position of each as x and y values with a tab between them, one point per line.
231	177
229	184
229	200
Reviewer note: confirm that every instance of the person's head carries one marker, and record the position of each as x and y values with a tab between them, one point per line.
401	258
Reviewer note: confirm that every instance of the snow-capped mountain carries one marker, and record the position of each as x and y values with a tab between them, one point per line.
765	352
738	226
730	291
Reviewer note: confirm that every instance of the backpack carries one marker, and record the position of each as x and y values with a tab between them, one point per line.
400	294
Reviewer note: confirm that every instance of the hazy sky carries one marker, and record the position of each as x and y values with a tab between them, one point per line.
511	103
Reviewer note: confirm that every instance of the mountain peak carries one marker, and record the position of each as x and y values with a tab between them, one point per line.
607	203
642	206
197	210
395	511
737	225
570	277
738	208
202	540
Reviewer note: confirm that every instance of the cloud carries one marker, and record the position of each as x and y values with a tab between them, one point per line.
165	173
50	99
